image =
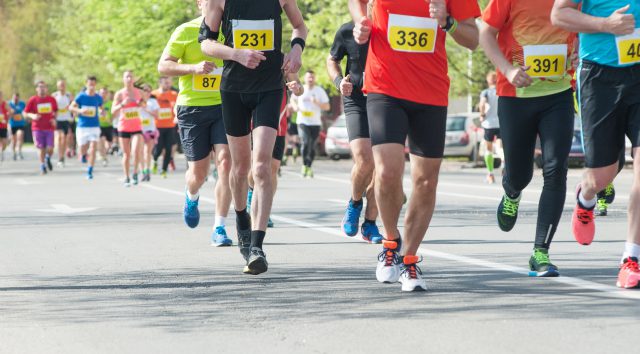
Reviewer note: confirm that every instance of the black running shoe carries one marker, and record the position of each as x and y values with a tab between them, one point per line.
257	262
540	265
244	242
508	212
49	165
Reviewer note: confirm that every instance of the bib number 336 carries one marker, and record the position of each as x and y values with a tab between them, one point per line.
256	35
412	34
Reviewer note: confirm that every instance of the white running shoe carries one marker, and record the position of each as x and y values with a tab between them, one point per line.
411	277
388	270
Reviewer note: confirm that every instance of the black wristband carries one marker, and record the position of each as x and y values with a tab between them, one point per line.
337	81
449	24
206	33
299	41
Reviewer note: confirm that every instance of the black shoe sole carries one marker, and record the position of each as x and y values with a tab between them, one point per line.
257	266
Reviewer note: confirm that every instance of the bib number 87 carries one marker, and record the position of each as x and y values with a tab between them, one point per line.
208	82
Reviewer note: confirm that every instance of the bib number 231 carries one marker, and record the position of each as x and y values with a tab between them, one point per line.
412	34
256	35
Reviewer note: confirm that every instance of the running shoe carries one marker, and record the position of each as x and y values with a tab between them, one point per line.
15	157
249	197
244	242
135	179
43	169
90	173
582	224
411	275
257	262
49	165
154	169
220	238
351	219
20	156
629	276
309	172
163	174
270	222
303	171
540	265
172	165
491	178
83	158
127	182
609	193
508	212
388	269
105	162
191	213
370	232
60	163
601	207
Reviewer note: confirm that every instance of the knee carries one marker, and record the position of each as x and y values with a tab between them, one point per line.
364	162
224	162
388	176
425	184
240	169
555	176
261	172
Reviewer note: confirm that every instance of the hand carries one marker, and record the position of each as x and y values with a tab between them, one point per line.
85	112
346	87
620	23
249	58
204	68
293	60
38	116
362	30
295	87
518	77
438	11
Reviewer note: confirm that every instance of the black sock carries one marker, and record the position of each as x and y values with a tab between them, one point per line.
257	237
242	219
367	221
356	203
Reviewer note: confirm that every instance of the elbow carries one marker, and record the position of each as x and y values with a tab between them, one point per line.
473	42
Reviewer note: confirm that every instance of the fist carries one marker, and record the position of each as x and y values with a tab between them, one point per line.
362	30
621	23
204	68
438	11
250	58
346	87
295	87
518	77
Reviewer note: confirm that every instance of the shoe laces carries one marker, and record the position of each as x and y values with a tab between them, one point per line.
541	257
352	213
389	257
584	216
510	207
608	191
412	270
602	204
221	231
631	265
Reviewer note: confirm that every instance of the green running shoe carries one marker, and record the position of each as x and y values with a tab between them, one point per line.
540	264
601	207
508	212
608	194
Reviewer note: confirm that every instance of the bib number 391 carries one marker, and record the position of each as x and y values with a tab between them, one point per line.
208	83
545	61
256	35
629	48
412	34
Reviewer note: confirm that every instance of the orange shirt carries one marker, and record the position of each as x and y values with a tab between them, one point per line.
167	102
407	57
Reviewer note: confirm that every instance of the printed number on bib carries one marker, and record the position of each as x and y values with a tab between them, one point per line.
165	114
256	35
131	114
208	83
412	34
629	48
17	117
307	114
545	60
44	108
91	111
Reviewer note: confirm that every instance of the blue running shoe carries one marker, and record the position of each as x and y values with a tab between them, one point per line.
370	232
219	238
270	222
90	172
249	196
351	219
191	212
83	158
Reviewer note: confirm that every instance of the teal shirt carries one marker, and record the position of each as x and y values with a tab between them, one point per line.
601	47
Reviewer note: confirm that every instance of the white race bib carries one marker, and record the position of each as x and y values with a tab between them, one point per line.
256	35
412	34
629	48
545	60
91	111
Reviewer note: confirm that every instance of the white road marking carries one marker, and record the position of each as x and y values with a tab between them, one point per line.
65	209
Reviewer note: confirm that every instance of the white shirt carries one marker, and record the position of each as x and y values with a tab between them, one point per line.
148	122
491	118
63	101
310	113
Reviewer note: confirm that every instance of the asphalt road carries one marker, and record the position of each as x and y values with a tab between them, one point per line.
91	266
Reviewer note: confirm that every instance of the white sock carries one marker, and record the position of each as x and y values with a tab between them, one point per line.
630	250
587	203
219	221
193	197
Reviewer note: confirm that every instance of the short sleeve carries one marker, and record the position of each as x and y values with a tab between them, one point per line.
323	95
30	108
463	9
497	13
484	94
338	48
177	44
100	102
78	100
54	104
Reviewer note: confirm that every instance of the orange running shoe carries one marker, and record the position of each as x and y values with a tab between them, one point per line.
582	224
629	276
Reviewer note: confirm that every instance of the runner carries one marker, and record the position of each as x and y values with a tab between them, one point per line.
126	107
106	126
42	109
252	81
490	124
407	89
200	122
63	120
17	123
355	110
149	132
608	86
166	124
309	106
88	107
293	140
5	113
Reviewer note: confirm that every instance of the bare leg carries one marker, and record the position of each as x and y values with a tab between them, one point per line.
125	145
389	162
223	189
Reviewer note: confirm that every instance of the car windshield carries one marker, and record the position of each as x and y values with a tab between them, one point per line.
456	124
340	123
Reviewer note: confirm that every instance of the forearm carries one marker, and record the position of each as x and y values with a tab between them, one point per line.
325	106
172	68
357	9
574	20
218	50
333	68
467	34
492	50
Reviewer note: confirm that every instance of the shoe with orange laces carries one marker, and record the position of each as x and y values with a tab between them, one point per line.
582	224
629	276
411	276
388	270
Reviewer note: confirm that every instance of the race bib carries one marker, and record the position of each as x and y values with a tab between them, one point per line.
412	34
2	121
63	111
91	111
45	108
256	35
131	113
208	83
146	122
545	60
307	114
165	114
629	48
17	117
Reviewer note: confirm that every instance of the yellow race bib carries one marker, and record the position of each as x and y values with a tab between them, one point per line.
45	108
256	35
2	121
412	34
208	83
146	122
307	114
165	114
131	113
629	48
17	117
545	61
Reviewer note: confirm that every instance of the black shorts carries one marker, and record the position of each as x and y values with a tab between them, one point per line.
491	134
292	128
3	133
392	120
200	129
72	127
278	148
355	112
239	109
129	135
64	127
610	108
107	133
14	130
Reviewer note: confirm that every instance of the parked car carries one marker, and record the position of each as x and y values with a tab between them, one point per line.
336	144
576	155
465	137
